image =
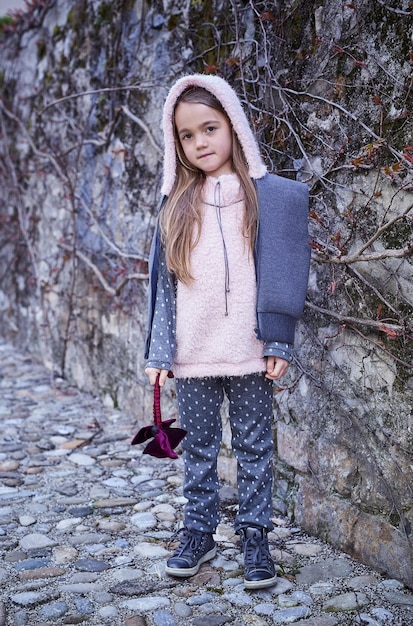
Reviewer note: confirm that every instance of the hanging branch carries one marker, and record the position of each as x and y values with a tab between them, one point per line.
36	151
401	253
111	244
357	321
142	124
93	92
113	291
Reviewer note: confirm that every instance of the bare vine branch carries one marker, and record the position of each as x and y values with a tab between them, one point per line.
144	126
405	252
36	151
381	347
356	321
113	291
111	244
393	10
92	92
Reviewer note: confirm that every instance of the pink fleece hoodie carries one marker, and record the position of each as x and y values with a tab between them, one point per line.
214	330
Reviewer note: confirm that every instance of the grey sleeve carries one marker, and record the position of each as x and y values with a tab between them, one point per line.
162	344
278	349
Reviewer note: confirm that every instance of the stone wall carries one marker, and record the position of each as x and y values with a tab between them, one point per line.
326	85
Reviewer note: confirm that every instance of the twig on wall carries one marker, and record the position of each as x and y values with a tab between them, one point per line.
113	291
144	127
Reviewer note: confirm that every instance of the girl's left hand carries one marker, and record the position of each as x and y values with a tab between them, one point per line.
276	367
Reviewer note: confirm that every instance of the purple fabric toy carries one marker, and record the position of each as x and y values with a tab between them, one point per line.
165	438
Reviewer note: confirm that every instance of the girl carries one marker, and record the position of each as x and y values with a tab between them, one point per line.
229	270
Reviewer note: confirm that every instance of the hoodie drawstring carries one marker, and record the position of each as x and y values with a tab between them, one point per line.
217	203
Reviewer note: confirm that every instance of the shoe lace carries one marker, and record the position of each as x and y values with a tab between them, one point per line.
256	552
189	541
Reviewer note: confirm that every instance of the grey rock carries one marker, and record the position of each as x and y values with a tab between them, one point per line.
213	607
109	612
399	598
288	616
28	564
89	538
81	511
264	609
201	599
36	540
84	588
102	597
144	521
21	618
212	620
327	569
345	602
28	598
148	603
239	599
382	615
391	584
91	565
366	620
302	598
84	606
53	611
164	618
182	609
141	587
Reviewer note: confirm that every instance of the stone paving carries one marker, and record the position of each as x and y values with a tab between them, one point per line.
87	521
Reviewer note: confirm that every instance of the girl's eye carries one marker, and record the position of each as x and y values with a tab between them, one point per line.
210	129
186	136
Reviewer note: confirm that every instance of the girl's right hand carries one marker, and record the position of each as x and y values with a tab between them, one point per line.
152	373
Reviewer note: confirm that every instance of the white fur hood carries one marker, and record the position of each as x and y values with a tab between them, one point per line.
230	102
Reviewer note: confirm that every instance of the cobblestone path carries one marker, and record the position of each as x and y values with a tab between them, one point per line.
86	522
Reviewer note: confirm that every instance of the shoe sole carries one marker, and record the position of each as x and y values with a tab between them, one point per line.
260	584
180	572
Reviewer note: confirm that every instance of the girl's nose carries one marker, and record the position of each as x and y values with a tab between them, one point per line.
200	140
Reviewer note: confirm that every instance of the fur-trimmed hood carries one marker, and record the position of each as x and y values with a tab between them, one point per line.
230	102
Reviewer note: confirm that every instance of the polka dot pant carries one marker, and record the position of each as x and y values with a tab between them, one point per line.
250	412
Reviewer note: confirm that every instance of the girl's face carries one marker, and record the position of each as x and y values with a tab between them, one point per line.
205	136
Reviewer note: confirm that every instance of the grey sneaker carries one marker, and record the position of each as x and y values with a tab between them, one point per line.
259	567
194	549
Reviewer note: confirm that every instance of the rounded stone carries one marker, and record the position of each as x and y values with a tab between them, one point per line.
307	549
53	611
144	521
26	520
150	550
148	603
26	598
68	523
164	618
345	602
64	554
182	610
91	565
36	540
81	459
108	612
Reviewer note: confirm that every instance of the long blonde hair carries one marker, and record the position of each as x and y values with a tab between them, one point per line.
181	213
